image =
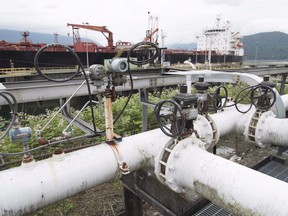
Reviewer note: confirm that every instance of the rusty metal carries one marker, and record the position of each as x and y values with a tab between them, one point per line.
123	166
110	93
27	159
58	151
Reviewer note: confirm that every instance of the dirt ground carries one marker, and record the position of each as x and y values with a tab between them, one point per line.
108	200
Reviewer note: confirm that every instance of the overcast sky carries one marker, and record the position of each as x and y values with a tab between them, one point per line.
180	20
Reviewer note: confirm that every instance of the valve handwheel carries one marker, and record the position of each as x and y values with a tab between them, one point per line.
170	118
263	97
220	97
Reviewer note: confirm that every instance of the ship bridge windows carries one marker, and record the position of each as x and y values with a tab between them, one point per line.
215	30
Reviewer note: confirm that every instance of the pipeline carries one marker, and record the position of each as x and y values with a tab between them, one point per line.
271	130
190	167
37	184
238	189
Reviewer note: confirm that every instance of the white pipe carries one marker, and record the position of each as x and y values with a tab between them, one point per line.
38	184
238	189
27	188
230	120
271	130
285	101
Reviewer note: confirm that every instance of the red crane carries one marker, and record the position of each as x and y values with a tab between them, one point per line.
101	29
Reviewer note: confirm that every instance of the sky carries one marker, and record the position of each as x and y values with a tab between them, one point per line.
180	21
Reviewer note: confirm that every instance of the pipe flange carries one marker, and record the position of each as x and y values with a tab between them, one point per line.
165	161
205	129
161	160
215	134
180	150
250	130
259	128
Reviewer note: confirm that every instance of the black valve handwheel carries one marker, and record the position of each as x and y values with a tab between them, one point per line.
170	118
263	97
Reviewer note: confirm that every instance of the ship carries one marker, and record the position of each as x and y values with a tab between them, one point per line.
218	44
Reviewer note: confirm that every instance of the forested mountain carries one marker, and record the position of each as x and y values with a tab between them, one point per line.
266	46
15	36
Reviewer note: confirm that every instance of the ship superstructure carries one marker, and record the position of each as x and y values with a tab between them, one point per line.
221	39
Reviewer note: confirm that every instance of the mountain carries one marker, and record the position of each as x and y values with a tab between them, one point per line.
266	46
15	36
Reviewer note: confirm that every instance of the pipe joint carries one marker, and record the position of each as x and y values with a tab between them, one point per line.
168	160
256	129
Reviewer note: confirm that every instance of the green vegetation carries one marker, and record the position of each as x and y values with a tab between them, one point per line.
129	123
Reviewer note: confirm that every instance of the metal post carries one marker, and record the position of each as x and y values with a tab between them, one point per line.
87	56
283	83
144	110
133	204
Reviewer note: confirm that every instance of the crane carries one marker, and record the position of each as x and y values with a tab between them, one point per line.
149	37
101	29
152	29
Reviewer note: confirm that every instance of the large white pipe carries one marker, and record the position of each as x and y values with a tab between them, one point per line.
285	101
230	120
238	189
271	130
38	184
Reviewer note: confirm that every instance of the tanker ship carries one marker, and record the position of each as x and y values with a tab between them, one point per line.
219	44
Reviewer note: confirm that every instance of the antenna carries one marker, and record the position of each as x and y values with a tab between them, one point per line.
56	37
163	35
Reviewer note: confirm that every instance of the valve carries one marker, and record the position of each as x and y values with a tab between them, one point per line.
23	134
263	96
175	117
202	94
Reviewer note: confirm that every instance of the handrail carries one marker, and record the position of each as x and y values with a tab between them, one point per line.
12	72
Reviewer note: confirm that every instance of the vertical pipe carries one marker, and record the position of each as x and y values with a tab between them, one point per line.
108	118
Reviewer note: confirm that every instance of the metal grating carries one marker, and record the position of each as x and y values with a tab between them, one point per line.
212	210
272	168
276	170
